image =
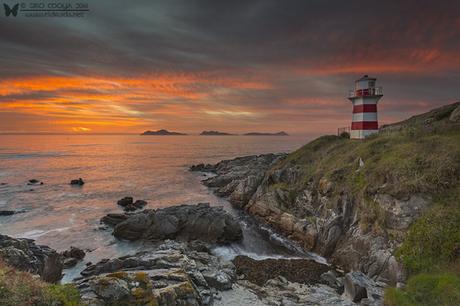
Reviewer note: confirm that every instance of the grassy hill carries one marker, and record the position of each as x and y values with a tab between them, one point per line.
420	155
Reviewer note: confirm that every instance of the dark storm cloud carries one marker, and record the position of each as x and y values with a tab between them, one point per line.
307	53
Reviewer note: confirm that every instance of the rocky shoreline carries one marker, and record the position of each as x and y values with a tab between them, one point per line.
184	271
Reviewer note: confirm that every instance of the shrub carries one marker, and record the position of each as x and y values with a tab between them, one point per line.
433	241
426	289
21	288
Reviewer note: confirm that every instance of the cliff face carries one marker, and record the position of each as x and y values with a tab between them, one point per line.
351	201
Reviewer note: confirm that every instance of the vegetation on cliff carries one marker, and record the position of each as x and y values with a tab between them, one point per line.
419	156
22	288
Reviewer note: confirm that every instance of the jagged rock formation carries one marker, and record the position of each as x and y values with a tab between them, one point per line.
172	274
25	255
350	201
183	222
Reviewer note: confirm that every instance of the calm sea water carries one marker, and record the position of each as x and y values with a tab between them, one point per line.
152	168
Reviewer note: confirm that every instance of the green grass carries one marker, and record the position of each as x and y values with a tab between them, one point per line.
399	162
433	241
418	156
441	289
21	288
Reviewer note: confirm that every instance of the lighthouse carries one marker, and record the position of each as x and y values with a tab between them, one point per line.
364	98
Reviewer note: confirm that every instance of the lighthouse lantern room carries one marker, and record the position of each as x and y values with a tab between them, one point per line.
364	98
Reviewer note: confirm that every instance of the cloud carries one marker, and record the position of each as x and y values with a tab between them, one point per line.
187	64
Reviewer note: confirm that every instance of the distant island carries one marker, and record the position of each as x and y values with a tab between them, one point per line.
267	134
215	133
162	132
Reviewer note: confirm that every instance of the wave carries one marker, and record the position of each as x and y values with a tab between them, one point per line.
15	155
34	234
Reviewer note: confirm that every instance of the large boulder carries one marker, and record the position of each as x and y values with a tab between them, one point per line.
184	222
25	255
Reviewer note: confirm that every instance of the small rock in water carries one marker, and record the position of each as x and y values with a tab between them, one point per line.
128	204
72	256
70	262
125	201
10	212
78	182
74	252
34	182
6	212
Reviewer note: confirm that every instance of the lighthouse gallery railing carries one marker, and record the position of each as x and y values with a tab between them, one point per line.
376	91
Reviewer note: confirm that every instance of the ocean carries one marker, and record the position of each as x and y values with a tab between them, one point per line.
151	168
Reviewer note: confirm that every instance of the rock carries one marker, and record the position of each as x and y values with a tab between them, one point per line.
110	289
25	255
78	182
184	222
7	212
114	219
34	182
125	201
305	271
202	168
358	286
279	292
11	212
128	204
70	262
318	217
455	115
74	252
169	274
330	278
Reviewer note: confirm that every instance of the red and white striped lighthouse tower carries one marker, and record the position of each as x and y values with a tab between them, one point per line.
364	99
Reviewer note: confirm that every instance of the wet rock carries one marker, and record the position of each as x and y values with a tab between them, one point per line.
295	270
72	256
128	204
202	168
25	255
11	212
34	182
74	252
7	212
184	222
69	262
170	274
77	182
114	219
125	201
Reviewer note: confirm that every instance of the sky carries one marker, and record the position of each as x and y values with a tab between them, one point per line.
233	66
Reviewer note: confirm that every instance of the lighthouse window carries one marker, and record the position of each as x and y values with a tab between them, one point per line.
371	83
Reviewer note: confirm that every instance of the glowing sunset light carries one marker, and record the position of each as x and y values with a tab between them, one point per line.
287	67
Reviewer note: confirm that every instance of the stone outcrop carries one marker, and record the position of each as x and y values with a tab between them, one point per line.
25	255
72	256
305	271
184	222
172	274
315	217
